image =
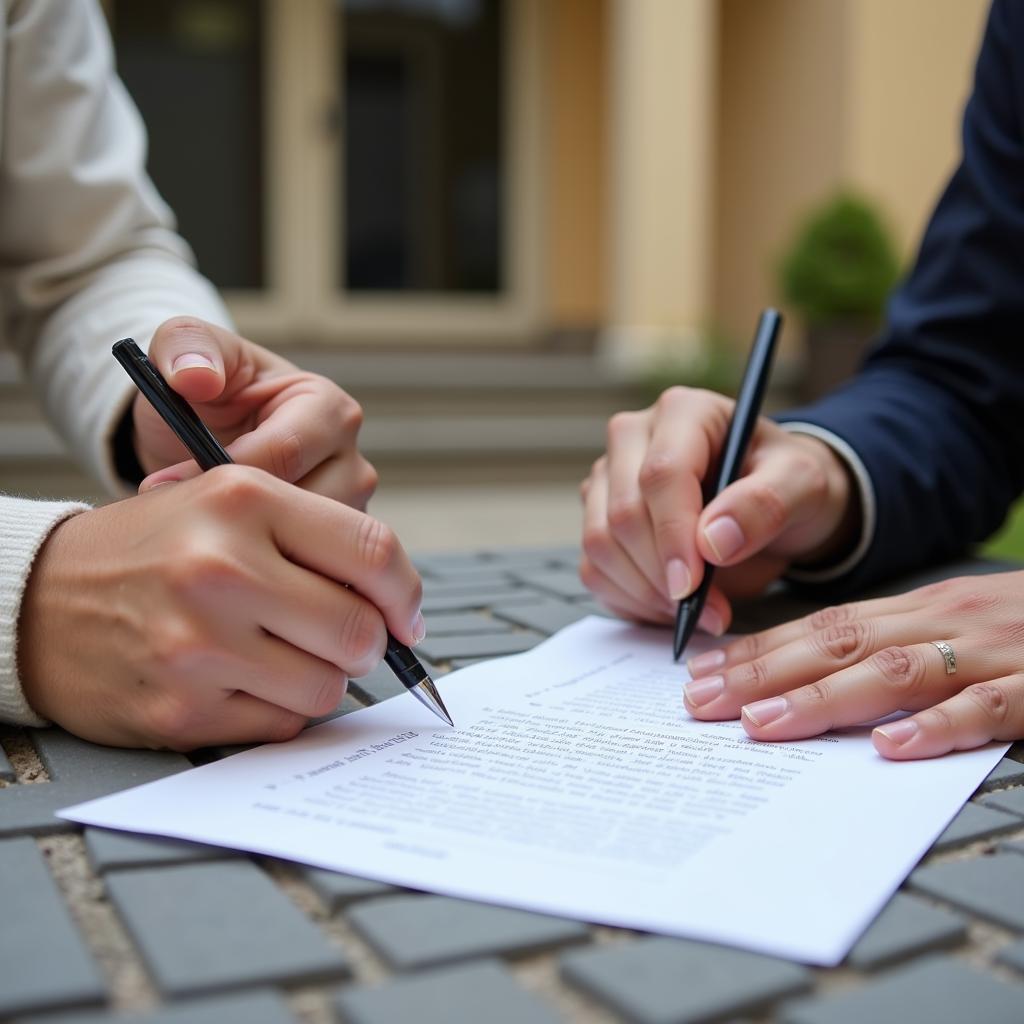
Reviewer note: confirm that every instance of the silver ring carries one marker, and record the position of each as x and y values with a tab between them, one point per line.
948	655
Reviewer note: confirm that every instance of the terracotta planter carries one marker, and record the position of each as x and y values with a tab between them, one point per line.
834	352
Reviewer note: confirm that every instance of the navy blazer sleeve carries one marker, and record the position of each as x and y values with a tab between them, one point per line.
937	412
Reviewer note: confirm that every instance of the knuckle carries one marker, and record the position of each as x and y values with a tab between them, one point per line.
626	514
351	416
177	643
824	618
203	568
816	695
675	396
361	639
659	469
232	489
992	701
170	722
753	677
376	544
188	325
287	456
1006	635
597	543
937	719
749	648
902	669
846	642
329	692
620	423
368	478
970	603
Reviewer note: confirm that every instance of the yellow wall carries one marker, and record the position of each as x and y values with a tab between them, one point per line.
576	160
817	94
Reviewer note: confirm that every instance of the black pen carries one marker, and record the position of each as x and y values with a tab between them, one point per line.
741	426
209	452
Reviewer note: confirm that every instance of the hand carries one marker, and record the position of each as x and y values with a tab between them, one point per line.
646	533
860	662
299	426
217	610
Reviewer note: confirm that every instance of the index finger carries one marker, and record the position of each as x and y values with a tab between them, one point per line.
351	547
688	431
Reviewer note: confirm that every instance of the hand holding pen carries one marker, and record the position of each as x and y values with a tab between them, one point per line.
653	520
210	612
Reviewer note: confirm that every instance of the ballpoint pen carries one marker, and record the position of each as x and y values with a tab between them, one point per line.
209	452
741	426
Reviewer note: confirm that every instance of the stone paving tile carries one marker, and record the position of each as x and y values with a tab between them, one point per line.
546	617
975	822
1011	800
336	889
113	851
463	624
675	981
495	584
382	683
1017	846
906	927
435	603
478	992
486	573
262	1007
80	771
44	963
991	887
422	931
448	561
204	927
939	990
564	556
107	769
1007	773
457	663
480	645
1013	956
561	582
7	773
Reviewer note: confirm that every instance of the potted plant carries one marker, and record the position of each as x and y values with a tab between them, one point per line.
837	275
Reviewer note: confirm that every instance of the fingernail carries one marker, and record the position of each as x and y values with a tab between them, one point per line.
703	691
706	662
764	712
419	629
678	578
711	622
725	537
899	732
190	360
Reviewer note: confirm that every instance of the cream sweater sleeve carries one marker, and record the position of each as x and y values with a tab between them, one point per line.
88	254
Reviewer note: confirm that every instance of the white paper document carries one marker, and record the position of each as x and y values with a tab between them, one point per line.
576	784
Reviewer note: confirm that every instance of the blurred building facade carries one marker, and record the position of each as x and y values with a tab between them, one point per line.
532	172
486	218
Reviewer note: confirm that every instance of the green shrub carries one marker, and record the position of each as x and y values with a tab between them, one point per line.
842	263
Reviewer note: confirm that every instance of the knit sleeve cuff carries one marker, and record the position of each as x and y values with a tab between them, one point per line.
24	525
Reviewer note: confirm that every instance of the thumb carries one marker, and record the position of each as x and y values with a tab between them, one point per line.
190	353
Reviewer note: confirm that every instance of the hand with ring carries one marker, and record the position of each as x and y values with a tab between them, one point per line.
952	653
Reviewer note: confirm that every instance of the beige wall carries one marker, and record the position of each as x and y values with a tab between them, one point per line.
815	94
575	161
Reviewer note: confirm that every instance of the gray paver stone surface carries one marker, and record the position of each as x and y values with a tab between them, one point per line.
1011	800
991	887
336	889
44	963
1016	846
1007	773
420	931
938	990
111	851
435	603
266	1007
1013	955
479	645
906	927
974	822
546	617
478	993
675	981
463	623
561	582
204	927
